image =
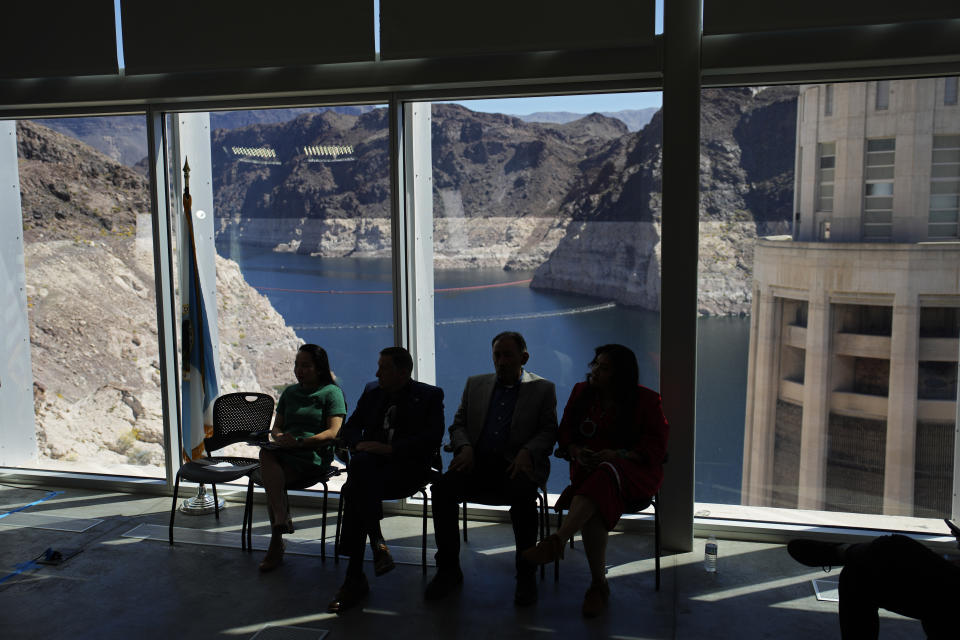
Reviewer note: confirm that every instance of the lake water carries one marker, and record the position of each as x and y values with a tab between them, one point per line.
345	305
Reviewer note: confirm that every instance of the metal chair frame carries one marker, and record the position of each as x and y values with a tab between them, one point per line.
228	430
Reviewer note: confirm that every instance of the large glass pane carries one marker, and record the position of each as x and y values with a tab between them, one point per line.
88	247
546	222
820	403
303	241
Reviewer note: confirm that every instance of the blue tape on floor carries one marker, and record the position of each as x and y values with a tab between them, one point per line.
20	569
32	563
27	506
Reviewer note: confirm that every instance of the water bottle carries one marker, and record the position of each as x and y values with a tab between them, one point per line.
710	555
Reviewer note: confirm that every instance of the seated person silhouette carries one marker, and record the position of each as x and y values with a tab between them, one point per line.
394	433
502	435
308	418
892	572
615	435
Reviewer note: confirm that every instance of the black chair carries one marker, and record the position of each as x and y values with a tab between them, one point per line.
435	471
654	502
237	417
542	501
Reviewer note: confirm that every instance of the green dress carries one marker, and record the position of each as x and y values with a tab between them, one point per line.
305	415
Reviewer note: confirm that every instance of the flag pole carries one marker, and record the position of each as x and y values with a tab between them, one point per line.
202	503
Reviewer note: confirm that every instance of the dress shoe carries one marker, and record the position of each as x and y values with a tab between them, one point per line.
350	593
443	584
815	553
595	599
382	560
549	549
526	591
274	555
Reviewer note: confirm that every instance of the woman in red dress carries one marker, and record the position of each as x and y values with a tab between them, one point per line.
615	435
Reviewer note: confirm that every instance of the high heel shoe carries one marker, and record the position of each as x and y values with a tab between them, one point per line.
549	549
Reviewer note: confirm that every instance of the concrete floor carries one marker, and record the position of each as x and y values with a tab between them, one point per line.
120	586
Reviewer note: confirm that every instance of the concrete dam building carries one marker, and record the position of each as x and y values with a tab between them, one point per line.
852	383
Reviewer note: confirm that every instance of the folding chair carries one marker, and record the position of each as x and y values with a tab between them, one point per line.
237	417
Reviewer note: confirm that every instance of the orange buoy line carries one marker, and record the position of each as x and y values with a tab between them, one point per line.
443	290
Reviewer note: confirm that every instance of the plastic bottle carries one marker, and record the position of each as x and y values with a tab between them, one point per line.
710	555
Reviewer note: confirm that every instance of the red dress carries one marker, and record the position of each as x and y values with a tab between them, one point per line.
624	484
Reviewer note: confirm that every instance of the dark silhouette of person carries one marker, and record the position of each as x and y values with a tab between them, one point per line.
502	435
891	572
394	433
615	435
308	419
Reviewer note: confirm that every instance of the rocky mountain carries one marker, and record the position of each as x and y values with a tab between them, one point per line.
635	119
578	201
498	183
92	310
124	138
611	247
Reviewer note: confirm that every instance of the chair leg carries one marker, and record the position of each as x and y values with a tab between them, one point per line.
541	514
464	507
656	537
336	538
560	523
173	509
216	501
243	523
423	558
249	511
323	526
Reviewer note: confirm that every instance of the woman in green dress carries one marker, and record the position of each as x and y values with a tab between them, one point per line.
309	415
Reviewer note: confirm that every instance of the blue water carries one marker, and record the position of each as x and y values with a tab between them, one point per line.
344	305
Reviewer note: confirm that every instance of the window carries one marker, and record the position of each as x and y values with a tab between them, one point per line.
521	205
883	95
878	189
828	100
827	345
88	247
303	242
950	90
944	187
826	168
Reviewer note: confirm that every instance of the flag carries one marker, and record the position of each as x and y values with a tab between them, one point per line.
199	385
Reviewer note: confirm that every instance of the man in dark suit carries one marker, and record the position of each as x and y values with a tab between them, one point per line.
394	433
502	436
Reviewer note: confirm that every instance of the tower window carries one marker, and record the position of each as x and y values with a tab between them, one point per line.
878	189
826	163
883	95
950	90
944	188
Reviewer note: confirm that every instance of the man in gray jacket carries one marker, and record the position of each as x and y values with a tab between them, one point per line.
502	437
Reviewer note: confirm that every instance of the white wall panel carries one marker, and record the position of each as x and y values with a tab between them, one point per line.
18	439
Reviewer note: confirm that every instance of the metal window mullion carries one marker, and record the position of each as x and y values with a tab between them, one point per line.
418	195
398	250
163	286
191	142
18	433
679	241
412	232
